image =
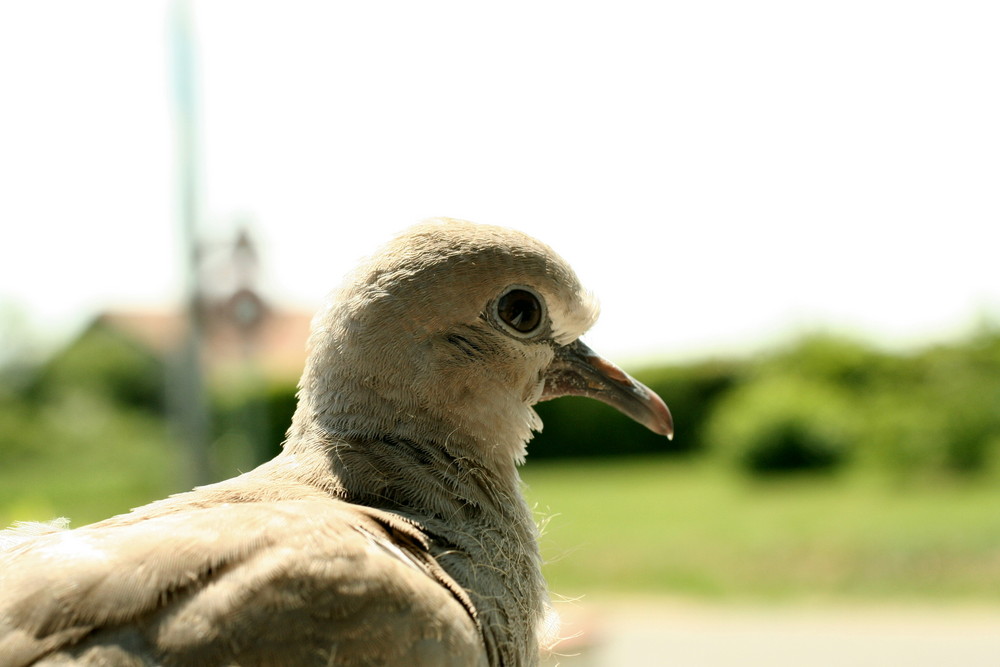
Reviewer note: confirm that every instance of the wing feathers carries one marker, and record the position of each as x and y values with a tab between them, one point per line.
288	582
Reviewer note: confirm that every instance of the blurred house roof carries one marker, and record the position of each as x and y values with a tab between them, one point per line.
272	343
240	332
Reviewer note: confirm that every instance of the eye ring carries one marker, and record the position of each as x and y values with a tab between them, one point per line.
520	311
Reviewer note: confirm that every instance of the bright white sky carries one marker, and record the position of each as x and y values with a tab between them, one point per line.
720	173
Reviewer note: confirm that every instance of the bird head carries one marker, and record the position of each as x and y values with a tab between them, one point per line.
452	332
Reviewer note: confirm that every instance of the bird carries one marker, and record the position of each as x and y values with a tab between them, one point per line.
392	528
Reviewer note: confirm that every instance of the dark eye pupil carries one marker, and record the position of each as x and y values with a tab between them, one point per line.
520	309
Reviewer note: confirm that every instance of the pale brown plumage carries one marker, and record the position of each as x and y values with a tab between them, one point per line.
392	529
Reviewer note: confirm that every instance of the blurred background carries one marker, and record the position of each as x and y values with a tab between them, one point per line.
790	212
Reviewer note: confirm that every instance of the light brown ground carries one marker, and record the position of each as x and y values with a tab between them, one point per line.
614	633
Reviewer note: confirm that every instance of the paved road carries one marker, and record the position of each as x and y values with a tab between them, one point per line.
684	634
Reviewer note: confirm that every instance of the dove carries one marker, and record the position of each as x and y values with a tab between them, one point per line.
392	528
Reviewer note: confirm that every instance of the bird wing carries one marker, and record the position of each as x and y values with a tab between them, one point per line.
294	582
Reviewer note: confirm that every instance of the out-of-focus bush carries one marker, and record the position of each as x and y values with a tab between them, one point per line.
254	419
828	401
108	363
21	434
785	423
938	411
78	453
93	396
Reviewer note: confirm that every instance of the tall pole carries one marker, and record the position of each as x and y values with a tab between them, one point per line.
187	387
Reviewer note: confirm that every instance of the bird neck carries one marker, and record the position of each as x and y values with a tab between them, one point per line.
479	525
423	477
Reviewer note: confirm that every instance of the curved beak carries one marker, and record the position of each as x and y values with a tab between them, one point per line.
579	371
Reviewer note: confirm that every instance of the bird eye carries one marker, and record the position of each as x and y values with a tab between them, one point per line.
521	310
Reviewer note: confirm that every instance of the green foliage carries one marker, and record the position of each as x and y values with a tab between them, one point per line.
105	362
784	423
253	418
829	359
828	401
936	412
21	435
84	433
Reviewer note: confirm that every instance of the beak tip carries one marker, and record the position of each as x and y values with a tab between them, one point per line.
662	421
667	430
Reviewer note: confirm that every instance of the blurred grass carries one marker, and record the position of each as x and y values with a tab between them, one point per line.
663	526
96	463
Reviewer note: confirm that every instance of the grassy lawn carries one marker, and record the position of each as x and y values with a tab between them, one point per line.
95	463
660	526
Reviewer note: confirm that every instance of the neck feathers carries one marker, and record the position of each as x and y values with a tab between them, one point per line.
479	526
